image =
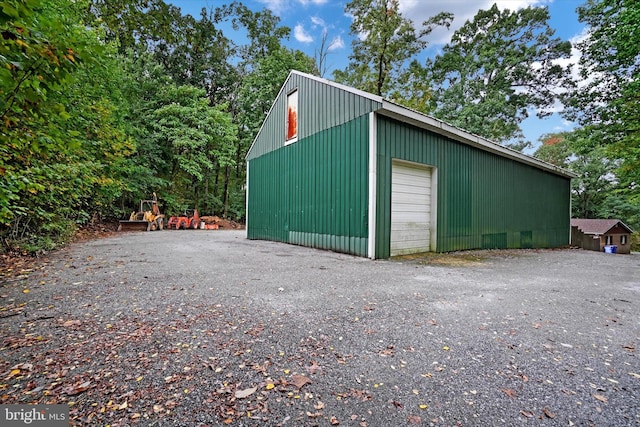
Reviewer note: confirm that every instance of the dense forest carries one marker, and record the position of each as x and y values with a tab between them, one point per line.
104	102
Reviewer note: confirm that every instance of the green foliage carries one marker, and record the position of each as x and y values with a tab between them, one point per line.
131	22
497	68
198	136
606	102
49	168
594	185
383	42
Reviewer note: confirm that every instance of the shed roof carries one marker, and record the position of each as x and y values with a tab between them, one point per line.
424	121
597	226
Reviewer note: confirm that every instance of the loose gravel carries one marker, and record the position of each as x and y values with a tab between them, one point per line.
206	328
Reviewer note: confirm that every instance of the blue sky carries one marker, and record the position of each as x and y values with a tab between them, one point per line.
308	19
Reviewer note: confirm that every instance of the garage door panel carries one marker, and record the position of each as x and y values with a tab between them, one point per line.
411	235
410	209
411	226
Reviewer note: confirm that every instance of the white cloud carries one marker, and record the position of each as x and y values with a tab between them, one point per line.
279	6
301	35
336	43
463	10
276	6
316	20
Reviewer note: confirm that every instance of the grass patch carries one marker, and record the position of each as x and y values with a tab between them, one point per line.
463	258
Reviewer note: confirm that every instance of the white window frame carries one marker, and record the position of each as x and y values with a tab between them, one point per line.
292	102
623	239
608	240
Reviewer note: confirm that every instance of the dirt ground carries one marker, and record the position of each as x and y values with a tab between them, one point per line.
206	328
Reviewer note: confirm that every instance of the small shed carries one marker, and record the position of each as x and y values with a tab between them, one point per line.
337	168
595	234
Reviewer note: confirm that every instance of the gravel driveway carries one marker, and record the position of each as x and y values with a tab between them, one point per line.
204	328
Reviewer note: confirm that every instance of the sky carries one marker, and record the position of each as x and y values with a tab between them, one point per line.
309	19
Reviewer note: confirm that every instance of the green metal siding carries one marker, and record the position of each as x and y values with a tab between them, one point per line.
314	192
320	106
484	200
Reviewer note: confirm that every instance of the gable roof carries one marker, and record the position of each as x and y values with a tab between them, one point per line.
424	121
597	226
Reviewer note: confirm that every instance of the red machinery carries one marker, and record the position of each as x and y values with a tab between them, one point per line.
189	219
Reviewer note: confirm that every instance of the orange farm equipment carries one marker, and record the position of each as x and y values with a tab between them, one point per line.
189	219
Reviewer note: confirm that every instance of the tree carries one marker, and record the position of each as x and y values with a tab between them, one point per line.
383	43
595	182
605	101
198	137
198	54
134	24
61	142
497	68
412	88
321	54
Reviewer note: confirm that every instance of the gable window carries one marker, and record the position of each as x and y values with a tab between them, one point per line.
292	118
608	240
623	239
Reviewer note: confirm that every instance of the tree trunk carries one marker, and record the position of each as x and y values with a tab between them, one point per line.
225	196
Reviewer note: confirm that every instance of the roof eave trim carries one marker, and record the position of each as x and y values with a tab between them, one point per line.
340	86
418	119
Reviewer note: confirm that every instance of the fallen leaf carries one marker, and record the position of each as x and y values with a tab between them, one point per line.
25	291
241	394
314	415
397	404
313	368
423	406
136	416
77	389
334	421
270	386
414	419
13	373
601	398
509	392
299	381
125	405
527	414
319	405
158	408
446	348
634	375
69	323
548	413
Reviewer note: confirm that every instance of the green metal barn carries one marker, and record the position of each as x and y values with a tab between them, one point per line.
337	168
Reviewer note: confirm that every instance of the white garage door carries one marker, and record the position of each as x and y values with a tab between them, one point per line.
410	208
